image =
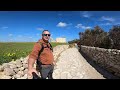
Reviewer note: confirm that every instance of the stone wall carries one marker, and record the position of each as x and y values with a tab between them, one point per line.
107	58
14	69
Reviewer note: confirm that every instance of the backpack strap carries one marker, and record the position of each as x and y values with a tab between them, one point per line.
38	62
51	48
41	50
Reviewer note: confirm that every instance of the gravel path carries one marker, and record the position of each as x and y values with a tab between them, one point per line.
72	65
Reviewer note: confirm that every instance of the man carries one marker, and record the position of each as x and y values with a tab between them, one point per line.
79	45
45	58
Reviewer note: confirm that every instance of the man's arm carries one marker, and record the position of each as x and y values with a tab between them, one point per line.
31	62
32	58
54	63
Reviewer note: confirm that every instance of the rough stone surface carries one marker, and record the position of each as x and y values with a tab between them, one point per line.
71	65
107	58
9	72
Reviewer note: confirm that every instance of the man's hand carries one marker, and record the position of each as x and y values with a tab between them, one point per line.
54	63
30	72
30	68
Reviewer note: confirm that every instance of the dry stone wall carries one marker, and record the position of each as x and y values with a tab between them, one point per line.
107	58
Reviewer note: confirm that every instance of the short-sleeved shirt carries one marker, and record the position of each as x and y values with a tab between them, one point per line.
46	56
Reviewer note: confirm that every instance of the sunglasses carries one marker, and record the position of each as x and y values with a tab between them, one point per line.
46	34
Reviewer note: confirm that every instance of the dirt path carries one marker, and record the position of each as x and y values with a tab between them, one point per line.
72	65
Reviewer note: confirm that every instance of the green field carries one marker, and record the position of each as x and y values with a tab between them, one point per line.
14	50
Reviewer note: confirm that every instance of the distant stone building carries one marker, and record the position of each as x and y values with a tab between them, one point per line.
61	40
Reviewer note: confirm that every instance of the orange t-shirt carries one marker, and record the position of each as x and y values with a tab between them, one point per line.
46	56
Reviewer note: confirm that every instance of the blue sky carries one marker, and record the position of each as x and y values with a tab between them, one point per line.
27	26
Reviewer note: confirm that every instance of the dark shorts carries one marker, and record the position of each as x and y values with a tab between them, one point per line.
46	71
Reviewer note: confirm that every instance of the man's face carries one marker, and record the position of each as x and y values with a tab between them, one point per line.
46	35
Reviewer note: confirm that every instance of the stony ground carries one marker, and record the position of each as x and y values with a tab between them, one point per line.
69	65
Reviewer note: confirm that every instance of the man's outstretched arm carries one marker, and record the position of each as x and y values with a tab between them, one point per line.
32	58
31	68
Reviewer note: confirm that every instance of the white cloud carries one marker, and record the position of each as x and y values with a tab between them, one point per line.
10	35
61	24
3	27
81	26
41	29
107	18
86	14
106	24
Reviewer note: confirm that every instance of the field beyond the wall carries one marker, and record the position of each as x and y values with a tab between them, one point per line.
14	50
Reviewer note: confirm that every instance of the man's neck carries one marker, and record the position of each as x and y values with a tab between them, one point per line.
46	41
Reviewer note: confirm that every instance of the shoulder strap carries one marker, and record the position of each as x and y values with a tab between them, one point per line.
39	63
41	48
51	47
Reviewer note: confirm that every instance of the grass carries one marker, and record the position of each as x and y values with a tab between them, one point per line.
14	50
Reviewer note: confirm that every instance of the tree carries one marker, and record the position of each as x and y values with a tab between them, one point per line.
95	37
114	35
